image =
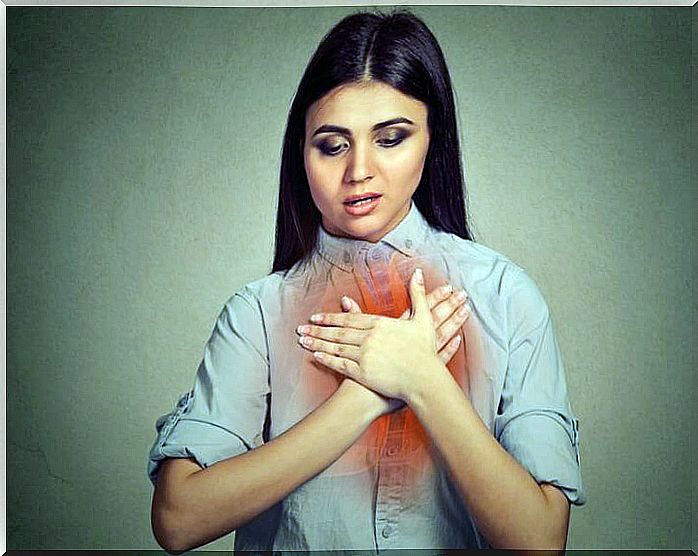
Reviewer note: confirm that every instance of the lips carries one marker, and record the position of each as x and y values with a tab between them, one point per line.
362	204
357	200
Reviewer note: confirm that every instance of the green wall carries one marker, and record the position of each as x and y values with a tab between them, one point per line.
142	157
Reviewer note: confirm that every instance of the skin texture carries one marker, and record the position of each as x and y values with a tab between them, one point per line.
363	159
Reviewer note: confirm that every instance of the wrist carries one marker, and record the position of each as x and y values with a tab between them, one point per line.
436	379
360	401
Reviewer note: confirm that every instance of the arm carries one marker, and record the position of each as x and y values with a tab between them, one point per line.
193	506
507	504
397	359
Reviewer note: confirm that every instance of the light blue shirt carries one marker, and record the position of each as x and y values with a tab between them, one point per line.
388	490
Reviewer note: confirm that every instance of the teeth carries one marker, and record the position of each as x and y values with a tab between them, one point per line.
361	201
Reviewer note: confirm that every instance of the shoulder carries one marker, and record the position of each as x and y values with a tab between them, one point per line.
257	292
481	264
493	275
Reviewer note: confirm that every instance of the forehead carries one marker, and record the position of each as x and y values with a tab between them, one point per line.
362	105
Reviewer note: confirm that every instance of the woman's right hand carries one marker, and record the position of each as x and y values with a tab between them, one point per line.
378	405
444	304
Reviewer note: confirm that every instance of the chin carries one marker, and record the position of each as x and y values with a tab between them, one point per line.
367	228
366	232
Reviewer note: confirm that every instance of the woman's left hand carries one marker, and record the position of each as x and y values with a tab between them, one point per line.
393	357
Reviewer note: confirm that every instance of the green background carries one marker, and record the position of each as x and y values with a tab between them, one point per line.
142	162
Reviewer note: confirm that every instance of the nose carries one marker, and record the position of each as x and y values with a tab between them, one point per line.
359	165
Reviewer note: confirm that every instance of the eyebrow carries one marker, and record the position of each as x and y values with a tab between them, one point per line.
345	131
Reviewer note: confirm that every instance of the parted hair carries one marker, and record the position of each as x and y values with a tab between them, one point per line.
397	49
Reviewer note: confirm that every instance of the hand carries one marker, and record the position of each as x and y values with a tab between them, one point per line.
380	405
447	311
393	357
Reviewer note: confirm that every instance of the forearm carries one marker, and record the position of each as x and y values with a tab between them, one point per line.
217	500
507	504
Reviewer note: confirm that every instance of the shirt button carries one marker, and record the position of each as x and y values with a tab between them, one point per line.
408	243
347	257
387	531
391	451
375	255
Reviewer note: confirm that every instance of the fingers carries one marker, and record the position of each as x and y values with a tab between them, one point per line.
360	321
450	349
437	295
434	297
343	366
447	307
336	340
332	348
450	327
338	335
420	306
349	305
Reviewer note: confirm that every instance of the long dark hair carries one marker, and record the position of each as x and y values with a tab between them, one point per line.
397	49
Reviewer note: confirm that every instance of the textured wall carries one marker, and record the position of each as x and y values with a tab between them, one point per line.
143	149
694	252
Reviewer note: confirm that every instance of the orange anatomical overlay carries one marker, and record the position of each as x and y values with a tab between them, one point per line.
380	285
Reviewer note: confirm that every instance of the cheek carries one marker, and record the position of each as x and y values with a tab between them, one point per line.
321	181
406	169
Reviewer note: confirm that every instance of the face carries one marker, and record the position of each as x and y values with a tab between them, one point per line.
364	152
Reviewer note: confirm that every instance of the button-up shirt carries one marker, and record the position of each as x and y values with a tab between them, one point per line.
389	490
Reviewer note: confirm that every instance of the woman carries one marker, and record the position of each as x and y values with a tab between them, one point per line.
342	405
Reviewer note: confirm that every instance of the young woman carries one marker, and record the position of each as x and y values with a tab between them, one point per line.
391	384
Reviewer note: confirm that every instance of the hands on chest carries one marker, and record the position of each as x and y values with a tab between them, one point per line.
394	357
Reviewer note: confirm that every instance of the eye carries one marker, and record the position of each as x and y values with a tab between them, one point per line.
331	148
392	139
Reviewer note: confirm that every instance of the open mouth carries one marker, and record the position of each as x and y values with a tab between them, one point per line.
358	201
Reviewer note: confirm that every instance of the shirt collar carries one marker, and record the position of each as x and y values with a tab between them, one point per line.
406	237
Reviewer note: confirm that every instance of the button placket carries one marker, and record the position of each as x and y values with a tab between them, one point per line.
388	503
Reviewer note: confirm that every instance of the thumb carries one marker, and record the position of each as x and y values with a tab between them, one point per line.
349	305
418	296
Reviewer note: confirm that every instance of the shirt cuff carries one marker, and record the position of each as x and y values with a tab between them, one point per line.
180	437
547	445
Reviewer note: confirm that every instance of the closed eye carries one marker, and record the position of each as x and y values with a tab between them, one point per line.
391	142
393	139
329	148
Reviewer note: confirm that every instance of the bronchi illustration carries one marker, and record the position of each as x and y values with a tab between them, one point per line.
379	283
382	276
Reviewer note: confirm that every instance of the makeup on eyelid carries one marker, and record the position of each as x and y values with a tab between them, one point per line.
364	156
330	148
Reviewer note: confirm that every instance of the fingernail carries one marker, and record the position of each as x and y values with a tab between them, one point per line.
447	289
303	329
315	318
305	341
419	276
461	295
456	341
346	304
463	312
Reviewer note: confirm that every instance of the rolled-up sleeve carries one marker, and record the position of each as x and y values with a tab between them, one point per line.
223	415
534	422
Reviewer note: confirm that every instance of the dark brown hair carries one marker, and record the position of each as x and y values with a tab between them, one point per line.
397	49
